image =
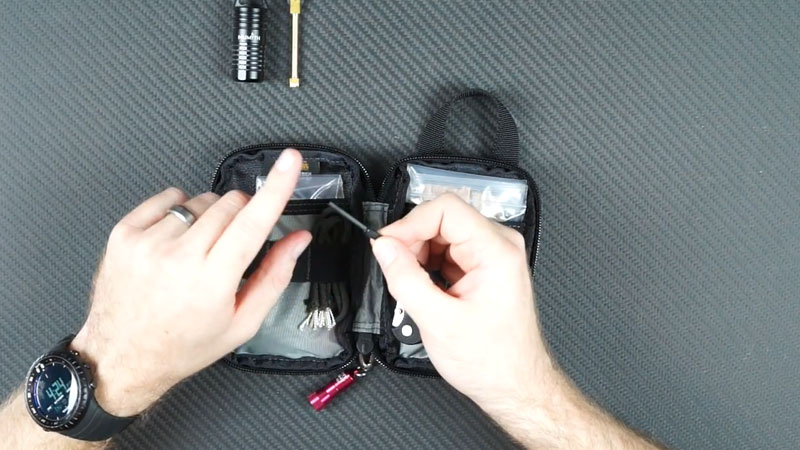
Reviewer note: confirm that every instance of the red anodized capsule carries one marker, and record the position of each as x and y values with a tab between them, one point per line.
320	399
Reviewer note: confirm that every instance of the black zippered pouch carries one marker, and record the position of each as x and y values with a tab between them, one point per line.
363	310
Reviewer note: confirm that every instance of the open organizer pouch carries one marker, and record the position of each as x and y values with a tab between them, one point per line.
337	314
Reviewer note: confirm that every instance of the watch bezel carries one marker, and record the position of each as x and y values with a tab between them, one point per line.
83	378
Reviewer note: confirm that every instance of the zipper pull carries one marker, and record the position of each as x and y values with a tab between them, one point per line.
320	399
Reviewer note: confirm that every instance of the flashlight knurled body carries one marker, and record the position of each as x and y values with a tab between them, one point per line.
248	52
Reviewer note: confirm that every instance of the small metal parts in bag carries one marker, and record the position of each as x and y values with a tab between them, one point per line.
501	199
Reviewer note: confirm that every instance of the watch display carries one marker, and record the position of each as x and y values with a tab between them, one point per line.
59	392
54	391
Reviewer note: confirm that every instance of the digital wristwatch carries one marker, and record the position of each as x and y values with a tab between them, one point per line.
59	393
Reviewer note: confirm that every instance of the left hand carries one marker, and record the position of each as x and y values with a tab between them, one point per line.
166	300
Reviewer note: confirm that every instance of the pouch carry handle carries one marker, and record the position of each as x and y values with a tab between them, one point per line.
506	142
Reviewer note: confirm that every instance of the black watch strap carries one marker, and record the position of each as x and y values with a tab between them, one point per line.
96	424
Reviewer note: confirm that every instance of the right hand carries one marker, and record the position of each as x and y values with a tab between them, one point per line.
482	333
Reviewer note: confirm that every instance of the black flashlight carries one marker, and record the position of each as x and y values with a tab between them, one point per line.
248	57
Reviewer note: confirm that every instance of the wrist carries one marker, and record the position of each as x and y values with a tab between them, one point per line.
120	389
550	412
538	411
530	386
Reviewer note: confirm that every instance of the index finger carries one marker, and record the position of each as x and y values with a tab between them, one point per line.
450	221
243	238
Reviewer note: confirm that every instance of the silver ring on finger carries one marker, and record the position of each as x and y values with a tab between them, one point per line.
183	214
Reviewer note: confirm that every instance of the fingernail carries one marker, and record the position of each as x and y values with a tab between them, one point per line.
284	162
384	252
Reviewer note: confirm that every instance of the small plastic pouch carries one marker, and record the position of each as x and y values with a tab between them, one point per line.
501	199
313	186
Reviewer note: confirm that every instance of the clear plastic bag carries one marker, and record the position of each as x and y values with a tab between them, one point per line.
313	186
501	199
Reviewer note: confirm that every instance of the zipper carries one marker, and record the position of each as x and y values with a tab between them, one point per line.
251	148
365	346
469	159
377	356
345	365
379	359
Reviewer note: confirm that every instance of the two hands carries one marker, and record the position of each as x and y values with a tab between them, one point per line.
167	292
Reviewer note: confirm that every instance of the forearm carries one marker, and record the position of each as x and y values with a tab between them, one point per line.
18	430
556	415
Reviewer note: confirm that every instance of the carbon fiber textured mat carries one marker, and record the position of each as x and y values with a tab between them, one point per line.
664	138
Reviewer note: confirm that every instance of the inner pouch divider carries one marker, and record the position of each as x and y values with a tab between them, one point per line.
367	319
280	335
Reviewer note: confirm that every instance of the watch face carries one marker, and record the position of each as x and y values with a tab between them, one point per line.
54	392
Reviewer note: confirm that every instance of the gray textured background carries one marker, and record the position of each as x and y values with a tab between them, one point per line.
664	137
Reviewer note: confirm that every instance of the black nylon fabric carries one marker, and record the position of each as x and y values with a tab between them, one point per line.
663	137
506	141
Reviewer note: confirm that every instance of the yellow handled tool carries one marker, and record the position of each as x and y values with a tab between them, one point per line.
294	10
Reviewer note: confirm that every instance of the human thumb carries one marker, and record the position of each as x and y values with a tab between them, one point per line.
408	282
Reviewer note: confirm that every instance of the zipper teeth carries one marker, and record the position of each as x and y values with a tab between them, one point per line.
297	146
222	160
288	372
382	363
378	359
